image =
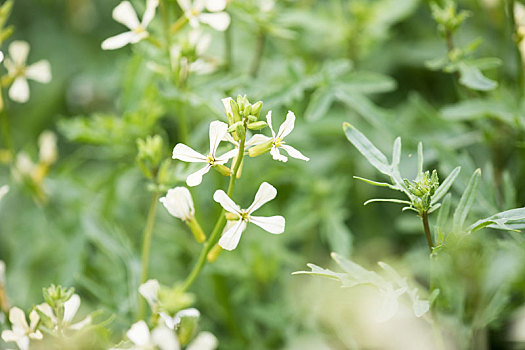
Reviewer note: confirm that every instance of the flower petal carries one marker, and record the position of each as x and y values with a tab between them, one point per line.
165	339
125	13
278	156
226	156
150	291
9	335
294	153
257	139
204	341
23	343
196	178
269	121
33	319
272	224
18	318
187	154
230	239
71	307
288	125
215	5
185	5
151	6
265	193
226	202
217	131
118	41
18	50
79	325
19	91
218	20
39	71
179	203
139	333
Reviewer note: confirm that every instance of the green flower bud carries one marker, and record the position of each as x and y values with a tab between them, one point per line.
251	119
56	296
196	229
257	125
260	149
247	109
235	111
174	299
224	170
256	108
150	154
189	321
240	130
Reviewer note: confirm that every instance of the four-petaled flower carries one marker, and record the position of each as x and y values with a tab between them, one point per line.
232	235
179	203
125	14
277	140
20	72
70	310
160	337
217	18
21	332
185	153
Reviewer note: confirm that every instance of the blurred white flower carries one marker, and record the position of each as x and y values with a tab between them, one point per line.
17	69
216	18
150	291
125	14
179	203
21	332
23	167
185	153
277	140
70	310
160	337
174	322
1	56
273	224
197	44
203	341
3	191
47	142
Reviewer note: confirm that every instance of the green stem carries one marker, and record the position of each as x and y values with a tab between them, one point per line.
424	217
259	51
516	37
215	235
146	247
228	48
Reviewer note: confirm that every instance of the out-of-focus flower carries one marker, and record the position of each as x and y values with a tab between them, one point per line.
47	142
273	224
125	14
187	154
150	291
161	337
21	332
24	167
277	140
203	341
70	310
216	18
20	72
187	56
179	203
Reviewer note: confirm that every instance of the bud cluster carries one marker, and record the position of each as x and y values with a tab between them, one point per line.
423	188
241	115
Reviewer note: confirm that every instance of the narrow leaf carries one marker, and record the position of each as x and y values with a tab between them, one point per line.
466	200
445	185
391	200
375	183
319	103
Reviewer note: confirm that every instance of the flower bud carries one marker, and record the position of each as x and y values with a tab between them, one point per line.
150	154
189	319
196	229
251	119
256	108
224	170
247	109
257	125
179	203
214	253
259	149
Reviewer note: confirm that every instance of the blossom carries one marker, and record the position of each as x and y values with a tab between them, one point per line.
185	153
179	203
277	140
21	332
125	14
70	310
47	142
174	322
273	224
20	72
150	291
196	45
217	18
161	336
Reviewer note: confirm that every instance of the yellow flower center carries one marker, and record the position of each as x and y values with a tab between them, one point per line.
278	142
210	159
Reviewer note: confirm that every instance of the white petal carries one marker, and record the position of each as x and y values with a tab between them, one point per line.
265	193
196	178
125	13
204	341
19	91
170	322
218	21
294	153
47	310
226	156
217	131
18	318
150	291
151	6
118	41
269	121
276	155
272	224
71	307
227	106
230	139
23	343
39	71
179	203
139	333
230	239
18	50
1	56
256	140
185	5
198	5
79	325
33	319
190	312
9	336
288	125
226	202
215	5
36	335
187	154
165	339
389	304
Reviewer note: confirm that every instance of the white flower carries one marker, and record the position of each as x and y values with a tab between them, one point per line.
277	140
218	19
21	332
70	310
125	14
150	292
203	341
174	322
273	224
17	69
179	203
47	142
161	336
3	191
185	153
198	43
24	167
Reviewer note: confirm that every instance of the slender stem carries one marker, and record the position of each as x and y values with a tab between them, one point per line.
424	217
146	247
214	237
228	48
259	51
516	38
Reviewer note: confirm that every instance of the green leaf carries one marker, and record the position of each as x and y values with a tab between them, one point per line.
473	78
391	200
499	221
466	201
445	185
367	149
362	105
375	183
320	103
443	213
